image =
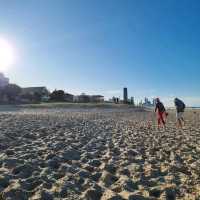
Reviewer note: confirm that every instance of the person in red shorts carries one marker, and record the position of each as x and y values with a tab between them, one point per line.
161	112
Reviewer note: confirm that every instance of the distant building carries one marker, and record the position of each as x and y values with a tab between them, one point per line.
75	98
125	95
68	97
116	100
154	102
4	81
132	101
140	103
147	102
45	98
97	98
42	91
84	98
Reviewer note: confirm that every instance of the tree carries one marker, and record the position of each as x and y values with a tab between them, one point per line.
57	95
12	91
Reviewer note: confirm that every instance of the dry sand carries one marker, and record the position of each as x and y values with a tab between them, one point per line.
97	154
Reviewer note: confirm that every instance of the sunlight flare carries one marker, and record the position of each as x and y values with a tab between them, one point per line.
7	55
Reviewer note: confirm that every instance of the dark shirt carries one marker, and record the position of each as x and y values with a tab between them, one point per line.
180	106
160	107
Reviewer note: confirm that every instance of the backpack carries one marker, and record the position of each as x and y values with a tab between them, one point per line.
180	105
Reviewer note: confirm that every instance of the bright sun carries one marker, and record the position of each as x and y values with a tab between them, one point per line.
6	55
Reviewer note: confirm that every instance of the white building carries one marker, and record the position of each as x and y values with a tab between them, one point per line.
33	90
83	98
3	80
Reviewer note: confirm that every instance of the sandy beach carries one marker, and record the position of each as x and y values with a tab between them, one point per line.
97	154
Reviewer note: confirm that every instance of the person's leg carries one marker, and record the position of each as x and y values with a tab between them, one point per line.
177	119
182	119
162	119
179	123
158	120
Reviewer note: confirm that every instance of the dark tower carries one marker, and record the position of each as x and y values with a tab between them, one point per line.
125	95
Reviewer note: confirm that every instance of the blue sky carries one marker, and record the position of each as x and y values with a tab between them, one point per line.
100	46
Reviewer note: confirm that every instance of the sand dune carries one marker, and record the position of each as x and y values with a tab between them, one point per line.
82	154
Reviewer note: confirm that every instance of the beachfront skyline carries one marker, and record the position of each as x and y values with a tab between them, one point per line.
102	46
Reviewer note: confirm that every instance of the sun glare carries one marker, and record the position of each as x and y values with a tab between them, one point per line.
6	55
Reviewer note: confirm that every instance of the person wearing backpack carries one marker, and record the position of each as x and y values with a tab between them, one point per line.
180	108
161	112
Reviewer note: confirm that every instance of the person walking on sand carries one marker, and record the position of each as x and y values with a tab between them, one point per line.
161	112
180	108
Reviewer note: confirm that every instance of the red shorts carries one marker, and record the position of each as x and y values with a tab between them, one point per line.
160	117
